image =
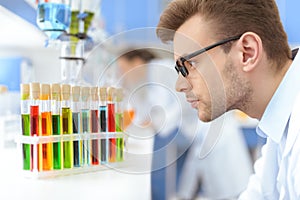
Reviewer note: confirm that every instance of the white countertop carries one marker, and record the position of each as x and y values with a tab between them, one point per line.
132	181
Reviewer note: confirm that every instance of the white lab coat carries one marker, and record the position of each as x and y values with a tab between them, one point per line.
277	172
274	178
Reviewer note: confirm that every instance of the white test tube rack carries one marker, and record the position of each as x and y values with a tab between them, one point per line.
35	140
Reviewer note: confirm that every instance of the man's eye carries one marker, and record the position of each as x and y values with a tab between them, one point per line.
193	64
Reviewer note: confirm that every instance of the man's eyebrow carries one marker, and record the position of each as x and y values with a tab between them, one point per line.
183	55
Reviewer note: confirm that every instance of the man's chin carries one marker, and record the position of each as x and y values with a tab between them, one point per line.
204	117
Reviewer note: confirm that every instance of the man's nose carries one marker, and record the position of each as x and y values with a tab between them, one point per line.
182	84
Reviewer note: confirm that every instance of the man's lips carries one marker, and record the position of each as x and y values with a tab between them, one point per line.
193	102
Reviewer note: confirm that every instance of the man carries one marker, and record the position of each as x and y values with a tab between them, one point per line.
247	65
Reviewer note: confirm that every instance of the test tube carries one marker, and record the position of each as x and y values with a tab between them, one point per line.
94	125
46	127
56	124
111	123
67	125
119	123
25	116
76	125
34	122
85	122
103	127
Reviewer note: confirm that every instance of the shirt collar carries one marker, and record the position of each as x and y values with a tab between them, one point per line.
278	111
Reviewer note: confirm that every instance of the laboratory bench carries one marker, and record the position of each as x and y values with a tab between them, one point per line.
130	180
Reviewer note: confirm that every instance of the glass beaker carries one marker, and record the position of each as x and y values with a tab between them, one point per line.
72	61
53	17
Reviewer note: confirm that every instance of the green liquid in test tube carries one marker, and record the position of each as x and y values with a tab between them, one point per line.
56	125
119	124
25	115
26	147
85	123
67	145
66	115
57	148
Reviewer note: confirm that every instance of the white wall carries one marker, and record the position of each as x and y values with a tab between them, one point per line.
45	61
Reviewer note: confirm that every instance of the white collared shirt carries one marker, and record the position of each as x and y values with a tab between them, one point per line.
277	172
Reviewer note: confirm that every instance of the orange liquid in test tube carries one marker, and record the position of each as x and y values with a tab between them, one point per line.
45	150
128	116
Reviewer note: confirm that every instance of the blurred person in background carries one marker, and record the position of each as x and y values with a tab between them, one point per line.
149	83
156	105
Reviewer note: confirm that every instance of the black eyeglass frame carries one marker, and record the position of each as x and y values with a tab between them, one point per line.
180	66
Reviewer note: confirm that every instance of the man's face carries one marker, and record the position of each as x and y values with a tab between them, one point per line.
214	84
132	71
125	65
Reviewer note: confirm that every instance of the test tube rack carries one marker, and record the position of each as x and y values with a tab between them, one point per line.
35	141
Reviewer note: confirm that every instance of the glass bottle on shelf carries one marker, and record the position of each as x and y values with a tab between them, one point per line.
53	17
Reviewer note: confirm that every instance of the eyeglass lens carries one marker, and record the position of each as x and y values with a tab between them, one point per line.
181	66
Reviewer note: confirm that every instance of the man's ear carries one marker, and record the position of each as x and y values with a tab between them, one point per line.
250	46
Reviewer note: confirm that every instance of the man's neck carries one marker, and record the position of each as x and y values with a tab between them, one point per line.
265	85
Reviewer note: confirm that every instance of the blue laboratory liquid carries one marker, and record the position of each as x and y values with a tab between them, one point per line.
53	18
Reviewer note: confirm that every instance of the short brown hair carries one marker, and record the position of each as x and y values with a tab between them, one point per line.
230	18
144	54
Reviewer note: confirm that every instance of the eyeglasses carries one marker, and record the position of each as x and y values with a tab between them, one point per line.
182	62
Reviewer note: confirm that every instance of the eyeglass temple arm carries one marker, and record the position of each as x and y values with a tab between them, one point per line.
187	57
